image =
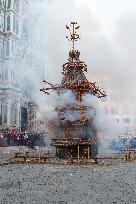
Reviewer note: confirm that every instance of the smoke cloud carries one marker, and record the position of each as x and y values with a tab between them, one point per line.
109	52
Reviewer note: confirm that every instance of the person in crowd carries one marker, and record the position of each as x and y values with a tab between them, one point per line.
10	137
12	142
26	138
21	139
1	139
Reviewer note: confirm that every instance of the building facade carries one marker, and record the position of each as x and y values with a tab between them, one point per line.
17	108
10	42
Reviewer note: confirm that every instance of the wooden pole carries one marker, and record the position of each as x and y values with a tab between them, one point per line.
128	154
73	37
30	153
39	157
88	152
78	153
125	156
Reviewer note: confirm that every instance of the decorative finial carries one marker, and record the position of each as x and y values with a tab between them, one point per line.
73	34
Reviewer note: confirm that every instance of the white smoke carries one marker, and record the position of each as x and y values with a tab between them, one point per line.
72	116
49	103
108	55
106	126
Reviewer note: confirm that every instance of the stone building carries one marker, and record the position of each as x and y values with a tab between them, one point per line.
17	109
10	42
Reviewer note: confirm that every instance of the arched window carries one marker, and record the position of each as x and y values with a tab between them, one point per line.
16	5
2	3
15	25
7	48
8	4
1	19
8	23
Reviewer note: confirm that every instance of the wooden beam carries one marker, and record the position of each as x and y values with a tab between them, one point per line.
88	152
78	153
39	156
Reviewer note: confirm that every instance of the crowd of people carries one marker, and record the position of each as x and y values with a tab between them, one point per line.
17	138
12	137
121	142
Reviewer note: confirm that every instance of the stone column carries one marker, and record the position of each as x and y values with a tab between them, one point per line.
18	113
9	122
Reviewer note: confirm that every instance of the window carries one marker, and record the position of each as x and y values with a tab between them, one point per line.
1	12
13	45
6	72
5	113
7	48
8	23
15	25
1	19
8	4
2	3
15	116
16	5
